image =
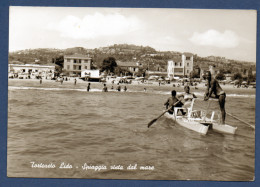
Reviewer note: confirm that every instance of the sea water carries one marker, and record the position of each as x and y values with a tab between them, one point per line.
62	131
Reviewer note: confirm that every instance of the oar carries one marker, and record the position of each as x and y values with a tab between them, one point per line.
241	121
154	120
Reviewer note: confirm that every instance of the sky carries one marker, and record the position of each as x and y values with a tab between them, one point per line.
226	33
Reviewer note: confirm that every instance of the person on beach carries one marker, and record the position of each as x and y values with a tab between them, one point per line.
88	88
118	87
40	80
75	81
112	88
61	81
144	89
213	87
125	88
105	88
172	102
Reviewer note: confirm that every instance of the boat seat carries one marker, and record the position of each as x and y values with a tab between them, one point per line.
193	114
188	110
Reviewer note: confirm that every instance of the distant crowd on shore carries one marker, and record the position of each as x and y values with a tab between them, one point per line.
114	81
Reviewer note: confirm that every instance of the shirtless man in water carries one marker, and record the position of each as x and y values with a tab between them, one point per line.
214	87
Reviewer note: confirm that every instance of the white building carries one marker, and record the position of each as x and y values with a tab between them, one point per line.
181	65
76	63
26	71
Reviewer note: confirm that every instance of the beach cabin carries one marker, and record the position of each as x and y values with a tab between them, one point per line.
91	75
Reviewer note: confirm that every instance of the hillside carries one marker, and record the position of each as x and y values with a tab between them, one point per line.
145	55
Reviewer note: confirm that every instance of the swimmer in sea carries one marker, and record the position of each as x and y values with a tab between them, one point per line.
105	88
118	87
88	88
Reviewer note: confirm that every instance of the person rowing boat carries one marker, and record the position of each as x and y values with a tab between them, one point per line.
172	102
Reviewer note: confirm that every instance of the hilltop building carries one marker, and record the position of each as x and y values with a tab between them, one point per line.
76	63
180	65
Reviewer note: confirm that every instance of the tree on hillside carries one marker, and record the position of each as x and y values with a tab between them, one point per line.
109	65
251	78
58	61
237	76
220	76
195	74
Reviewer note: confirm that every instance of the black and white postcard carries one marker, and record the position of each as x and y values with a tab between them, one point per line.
131	93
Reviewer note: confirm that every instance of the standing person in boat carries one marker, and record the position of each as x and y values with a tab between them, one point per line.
172	102
105	88
214	87
88	88
187	97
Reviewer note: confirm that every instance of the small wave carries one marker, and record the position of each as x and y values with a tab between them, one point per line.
51	89
240	95
200	94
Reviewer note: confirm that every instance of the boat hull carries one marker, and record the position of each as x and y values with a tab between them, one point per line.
192	125
224	128
200	126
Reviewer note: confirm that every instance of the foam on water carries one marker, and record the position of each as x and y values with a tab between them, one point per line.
200	94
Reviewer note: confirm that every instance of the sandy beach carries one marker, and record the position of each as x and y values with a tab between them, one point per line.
147	84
